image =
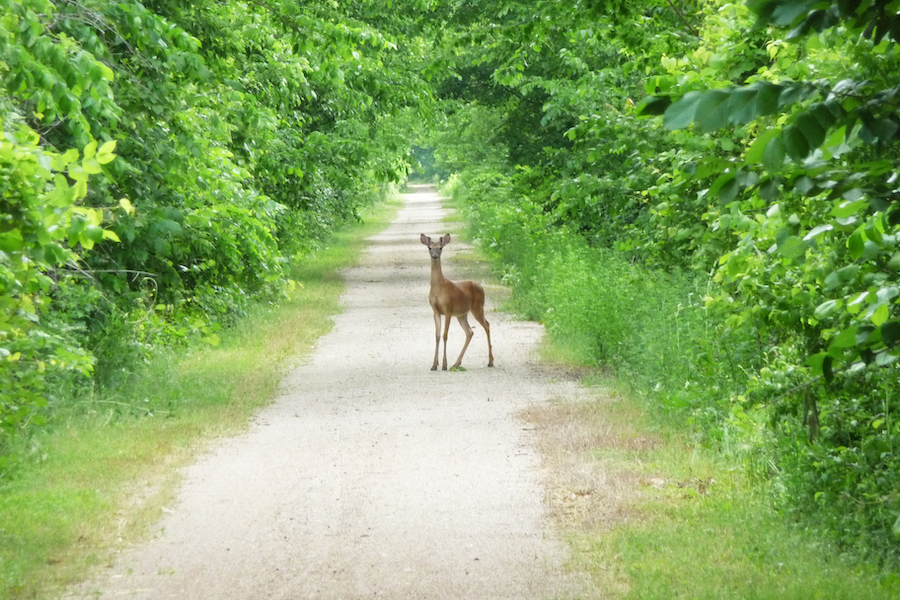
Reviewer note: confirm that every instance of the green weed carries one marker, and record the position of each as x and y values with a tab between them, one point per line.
670	492
649	514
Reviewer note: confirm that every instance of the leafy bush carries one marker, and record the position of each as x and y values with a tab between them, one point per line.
649	324
42	227
741	243
245	134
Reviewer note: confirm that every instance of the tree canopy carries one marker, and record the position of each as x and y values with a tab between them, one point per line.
164	162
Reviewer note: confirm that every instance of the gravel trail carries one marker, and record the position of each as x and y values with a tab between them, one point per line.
371	476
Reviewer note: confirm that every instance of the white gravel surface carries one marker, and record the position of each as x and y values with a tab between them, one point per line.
371	476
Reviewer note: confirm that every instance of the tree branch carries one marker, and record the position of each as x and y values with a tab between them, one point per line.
681	16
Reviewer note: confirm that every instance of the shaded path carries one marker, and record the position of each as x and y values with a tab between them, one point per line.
370	476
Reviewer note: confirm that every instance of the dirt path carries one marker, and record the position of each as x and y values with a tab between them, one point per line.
371	476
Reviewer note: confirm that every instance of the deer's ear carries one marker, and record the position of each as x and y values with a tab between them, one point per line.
445	240
425	239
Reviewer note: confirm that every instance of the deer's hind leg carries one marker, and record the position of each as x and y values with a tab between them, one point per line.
478	313
464	322
479	316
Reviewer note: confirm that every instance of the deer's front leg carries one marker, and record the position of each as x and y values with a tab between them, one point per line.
437	339
446	331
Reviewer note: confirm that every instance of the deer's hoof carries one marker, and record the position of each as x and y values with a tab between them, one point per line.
434	368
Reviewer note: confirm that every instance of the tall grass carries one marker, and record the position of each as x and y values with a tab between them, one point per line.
649	515
648	325
101	472
683	537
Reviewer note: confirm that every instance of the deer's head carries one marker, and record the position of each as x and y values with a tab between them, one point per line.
435	248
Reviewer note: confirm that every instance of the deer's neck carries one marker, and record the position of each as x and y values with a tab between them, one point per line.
437	277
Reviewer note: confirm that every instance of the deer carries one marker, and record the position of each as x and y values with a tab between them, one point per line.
453	299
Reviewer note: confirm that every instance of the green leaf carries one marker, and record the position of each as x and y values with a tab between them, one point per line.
769	191
108	73
894	263
815	361
795	143
847	273
90	150
864	336
873	234
854	306
77	172
881	314
169	226
845	339
55	254
107	147
890	332
12	241
105	153
823	116
80	187
757	148
870	250
786	12
804	184
767	98
681	113
847	8
856	245
794	93
773	156
94	233
91	166
885	358
792	247
729	191
880	130
60	162
741	107
62	195
828	308
811	130
724	187
711	112
653	105
817	231
798	31
848	208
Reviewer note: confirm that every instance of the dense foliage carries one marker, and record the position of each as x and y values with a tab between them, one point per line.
735	256
699	194
162	164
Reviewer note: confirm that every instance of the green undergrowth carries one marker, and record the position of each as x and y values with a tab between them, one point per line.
825	454
675	493
101	472
687	522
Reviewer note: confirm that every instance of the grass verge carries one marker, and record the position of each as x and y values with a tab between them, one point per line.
99	478
649	514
